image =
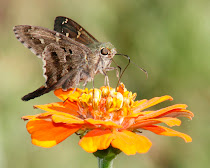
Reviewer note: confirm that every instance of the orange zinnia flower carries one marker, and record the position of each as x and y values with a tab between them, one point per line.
105	118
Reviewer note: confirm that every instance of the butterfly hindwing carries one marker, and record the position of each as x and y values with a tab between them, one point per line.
73	30
60	60
61	56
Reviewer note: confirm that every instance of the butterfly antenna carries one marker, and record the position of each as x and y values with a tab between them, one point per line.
141	69
129	60
126	56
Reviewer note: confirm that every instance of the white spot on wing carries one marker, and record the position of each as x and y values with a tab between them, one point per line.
57	37
79	33
42	40
66	21
86	60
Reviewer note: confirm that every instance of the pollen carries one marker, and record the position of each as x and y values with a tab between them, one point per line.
96	97
106	103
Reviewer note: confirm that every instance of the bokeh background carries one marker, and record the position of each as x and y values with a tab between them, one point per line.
170	39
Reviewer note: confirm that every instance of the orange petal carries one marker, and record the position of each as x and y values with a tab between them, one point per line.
121	88
162	112
149	103
48	115
96	139
46	134
66	119
130	143
142	113
30	117
70	108
180	113
143	123
69	94
167	120
139	103
160	130
104	123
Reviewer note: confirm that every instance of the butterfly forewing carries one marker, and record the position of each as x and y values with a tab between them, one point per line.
73	30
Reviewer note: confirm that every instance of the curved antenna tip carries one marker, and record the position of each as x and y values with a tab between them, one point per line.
126	56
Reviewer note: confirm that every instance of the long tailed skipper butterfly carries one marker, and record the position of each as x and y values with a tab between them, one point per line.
70	54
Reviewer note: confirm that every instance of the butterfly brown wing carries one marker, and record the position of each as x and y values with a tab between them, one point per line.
73	30
61	55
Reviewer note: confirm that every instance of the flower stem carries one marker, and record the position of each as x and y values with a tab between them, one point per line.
106	157
105	163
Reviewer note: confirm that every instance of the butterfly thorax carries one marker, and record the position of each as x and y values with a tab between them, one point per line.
98	61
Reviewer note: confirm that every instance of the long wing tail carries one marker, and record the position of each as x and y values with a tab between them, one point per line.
66	82
40	91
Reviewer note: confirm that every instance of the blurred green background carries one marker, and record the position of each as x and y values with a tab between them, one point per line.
170	39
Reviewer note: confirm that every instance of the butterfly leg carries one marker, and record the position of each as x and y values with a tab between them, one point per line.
85	84
118	74
77	81
93	88
106	80
118	71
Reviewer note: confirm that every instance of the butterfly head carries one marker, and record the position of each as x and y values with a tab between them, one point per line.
107	51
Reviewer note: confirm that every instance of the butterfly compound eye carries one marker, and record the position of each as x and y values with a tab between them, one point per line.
104	51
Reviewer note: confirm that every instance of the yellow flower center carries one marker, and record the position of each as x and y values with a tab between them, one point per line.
106	104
